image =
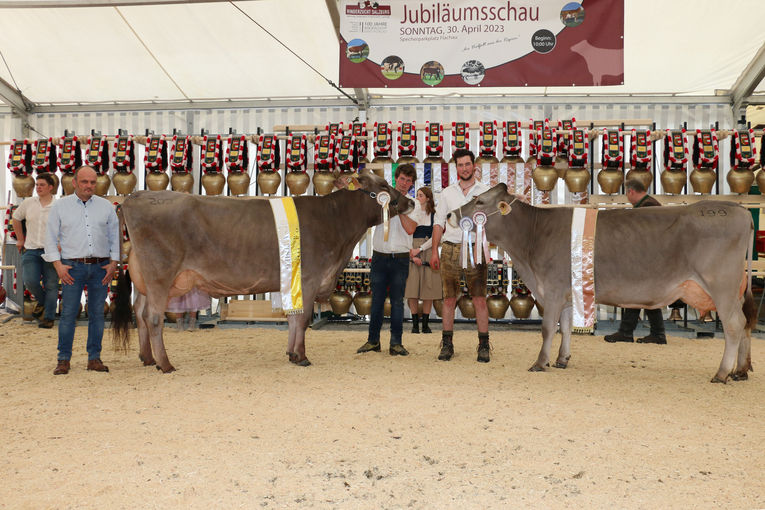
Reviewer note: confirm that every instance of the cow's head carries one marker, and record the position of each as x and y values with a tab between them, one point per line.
497	201
373	185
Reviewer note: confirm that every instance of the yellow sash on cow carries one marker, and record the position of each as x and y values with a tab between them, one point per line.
583	268
288	237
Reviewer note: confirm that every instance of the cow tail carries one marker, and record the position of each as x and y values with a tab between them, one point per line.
122	316
749	308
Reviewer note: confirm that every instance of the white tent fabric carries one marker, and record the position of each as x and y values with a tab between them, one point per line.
212	51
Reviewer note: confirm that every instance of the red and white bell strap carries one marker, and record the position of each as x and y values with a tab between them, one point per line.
677	149
323	150
641	149
407	139
122	155
583	223
95	154
296	152
69	157
236	150
211	155
512	141
155	154
382	141
613	148
267	152
359	130
434	143
564	140
44	155
743	149
180	162
460	136
578	147
487	142
707	147
17	160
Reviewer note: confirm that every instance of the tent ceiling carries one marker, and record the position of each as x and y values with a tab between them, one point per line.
201	54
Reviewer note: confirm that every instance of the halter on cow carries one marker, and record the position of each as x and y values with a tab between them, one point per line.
643	258
230	248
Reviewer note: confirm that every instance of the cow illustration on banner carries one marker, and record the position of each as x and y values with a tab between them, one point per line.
487	43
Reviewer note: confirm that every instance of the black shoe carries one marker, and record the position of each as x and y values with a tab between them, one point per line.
618	337
425	326
653	339
45	324
398	350
484	352
447	351
368	347
415	323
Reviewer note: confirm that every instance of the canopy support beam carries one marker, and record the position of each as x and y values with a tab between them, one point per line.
747	82
362	95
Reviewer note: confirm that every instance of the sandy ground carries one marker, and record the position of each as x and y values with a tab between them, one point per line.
625	426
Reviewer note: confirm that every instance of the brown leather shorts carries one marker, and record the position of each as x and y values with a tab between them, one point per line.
452	271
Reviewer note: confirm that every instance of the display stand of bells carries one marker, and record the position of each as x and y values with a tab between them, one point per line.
323	182
497	305
610	180
340	301
157	181
702	180
297	182
577	179
213	183
644	176
387	307
269	181
544	177
521	305
66	184
438	306
103	183
23	186
124	182
466	306
239	183
673	181
740	180
363	302
183	183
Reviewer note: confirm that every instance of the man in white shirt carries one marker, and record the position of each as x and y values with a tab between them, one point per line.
452	197
390	269
35	211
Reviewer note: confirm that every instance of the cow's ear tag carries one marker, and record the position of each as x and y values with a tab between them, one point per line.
504	208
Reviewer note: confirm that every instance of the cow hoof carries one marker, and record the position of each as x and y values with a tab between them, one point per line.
536	368
167	370
739	376
293	357
716	379
304	363
148	362
559	364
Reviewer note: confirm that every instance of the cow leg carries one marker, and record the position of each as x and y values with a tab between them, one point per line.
564	353
744	362
144	353
549	327
733	321
155	320
296	348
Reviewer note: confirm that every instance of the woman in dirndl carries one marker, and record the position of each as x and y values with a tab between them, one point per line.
423	283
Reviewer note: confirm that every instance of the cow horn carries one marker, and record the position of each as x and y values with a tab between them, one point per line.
504	208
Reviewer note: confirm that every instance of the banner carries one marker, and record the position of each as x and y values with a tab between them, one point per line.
486	43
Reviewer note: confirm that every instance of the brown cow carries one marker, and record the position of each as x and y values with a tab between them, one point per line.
230	247
643	258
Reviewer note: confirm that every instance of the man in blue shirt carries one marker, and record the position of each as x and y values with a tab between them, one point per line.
86	229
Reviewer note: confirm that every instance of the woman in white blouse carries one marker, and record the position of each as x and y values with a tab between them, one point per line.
423	283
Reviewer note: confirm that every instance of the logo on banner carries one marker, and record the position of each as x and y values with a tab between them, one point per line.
367	8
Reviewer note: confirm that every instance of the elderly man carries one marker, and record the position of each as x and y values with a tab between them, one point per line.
87	230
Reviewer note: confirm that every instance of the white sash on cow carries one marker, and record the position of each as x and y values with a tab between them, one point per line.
582	266
290	273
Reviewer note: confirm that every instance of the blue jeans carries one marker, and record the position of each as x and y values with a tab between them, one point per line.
33	268
391	274
90	275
